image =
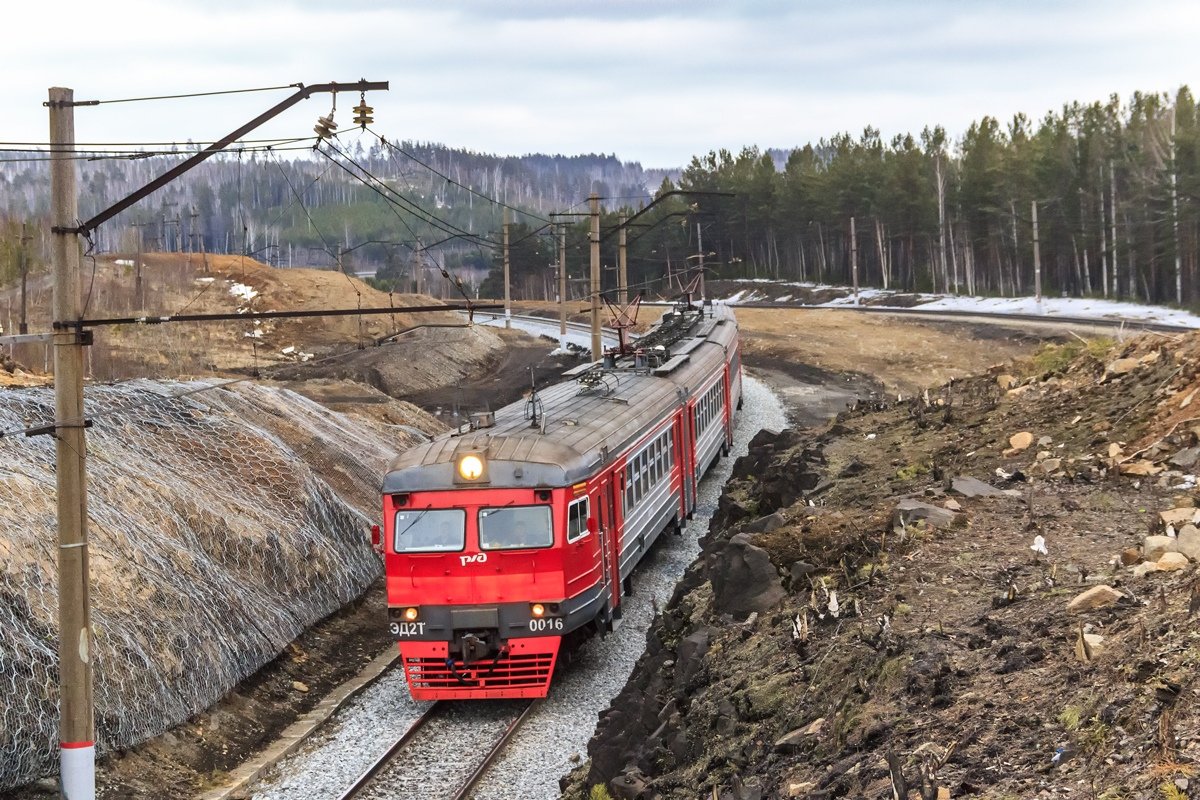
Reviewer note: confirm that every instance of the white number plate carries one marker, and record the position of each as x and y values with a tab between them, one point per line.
547	624
406	628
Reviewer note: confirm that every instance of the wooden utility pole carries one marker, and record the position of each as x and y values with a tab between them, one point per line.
137	267
507	288
1112	197
941	197
23	266
77	722
622	263
854	259
597	345
1037	258
1103	238
562	286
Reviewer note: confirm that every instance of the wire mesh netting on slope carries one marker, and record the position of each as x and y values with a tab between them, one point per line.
222	524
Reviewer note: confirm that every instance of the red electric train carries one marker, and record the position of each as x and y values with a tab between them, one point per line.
503	539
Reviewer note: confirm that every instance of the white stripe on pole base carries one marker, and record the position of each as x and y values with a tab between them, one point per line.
78	771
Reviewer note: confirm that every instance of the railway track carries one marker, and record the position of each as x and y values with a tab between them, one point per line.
434	757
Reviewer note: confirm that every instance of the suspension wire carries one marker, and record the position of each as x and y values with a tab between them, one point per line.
90	253
396	198
448	179
193	94
455	283
299	200
189	143
89	155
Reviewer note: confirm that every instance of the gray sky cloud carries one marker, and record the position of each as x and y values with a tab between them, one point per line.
656	82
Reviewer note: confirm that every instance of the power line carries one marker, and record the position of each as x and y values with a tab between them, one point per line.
450	180
392	196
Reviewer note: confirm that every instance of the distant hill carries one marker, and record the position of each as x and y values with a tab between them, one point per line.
289	209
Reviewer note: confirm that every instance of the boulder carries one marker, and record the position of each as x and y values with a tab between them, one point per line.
1006	382
1051	465
1188	542
1155	546
766	524
790	740
1100	596
800	570
630	785
1122	366
1186	458
793	739
1145	568
908	511
1020	441
1169	562
972	487
1140	468
952	505
1178	516
1130	556
689	656
743	578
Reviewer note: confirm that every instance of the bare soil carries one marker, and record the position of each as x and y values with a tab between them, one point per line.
950	664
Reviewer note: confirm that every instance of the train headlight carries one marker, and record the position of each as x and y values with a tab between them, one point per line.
411	613
537	610
472	467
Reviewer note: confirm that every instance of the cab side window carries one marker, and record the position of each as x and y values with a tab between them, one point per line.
577	517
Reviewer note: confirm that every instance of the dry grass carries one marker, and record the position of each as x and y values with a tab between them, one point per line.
905	355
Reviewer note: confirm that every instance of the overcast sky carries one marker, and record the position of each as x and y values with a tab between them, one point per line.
656	81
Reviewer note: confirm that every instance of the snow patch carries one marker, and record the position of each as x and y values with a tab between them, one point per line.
243	292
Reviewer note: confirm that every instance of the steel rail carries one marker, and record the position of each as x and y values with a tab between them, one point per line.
390	755
496	750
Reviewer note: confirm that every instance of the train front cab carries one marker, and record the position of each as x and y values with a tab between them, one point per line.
483	584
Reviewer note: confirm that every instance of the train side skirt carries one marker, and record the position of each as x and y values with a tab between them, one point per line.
524	671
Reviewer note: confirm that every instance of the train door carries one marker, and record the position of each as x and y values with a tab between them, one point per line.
610	523
610	538
727	416
682	458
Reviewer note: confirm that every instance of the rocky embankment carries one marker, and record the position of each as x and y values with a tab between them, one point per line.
984	591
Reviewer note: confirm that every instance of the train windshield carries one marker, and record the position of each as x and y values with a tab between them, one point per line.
515	528
430	531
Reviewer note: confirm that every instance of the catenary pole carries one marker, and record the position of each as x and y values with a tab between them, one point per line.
622	264
507	288
562	286
23	266
854	259
77	748
594	207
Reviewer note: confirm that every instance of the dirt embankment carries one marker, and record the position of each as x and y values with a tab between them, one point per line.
865	623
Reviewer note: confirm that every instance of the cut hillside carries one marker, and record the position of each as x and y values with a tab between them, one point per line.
223	522
192	283
988	590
